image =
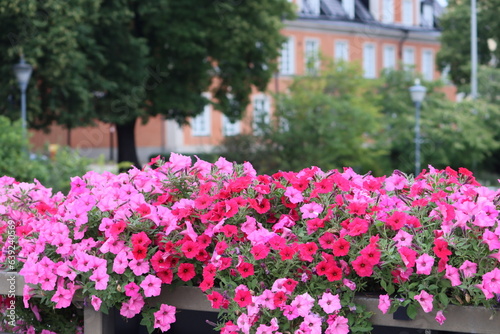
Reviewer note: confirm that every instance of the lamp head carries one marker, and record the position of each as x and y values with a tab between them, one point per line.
22	70
417	92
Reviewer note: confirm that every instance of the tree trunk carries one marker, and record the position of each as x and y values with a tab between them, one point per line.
126	143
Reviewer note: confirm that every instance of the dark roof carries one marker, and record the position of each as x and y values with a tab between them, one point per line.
333	10
362	12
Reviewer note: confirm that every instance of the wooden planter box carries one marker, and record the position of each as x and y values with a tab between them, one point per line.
461	319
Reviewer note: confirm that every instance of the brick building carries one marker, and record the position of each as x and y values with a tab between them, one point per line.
378	34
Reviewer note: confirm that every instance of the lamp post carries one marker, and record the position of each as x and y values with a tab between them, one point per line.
417	93
23	74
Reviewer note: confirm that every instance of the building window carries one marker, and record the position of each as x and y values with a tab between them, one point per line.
261	112
341	50
309	7
200	125
374	9
427	14
348	6
408	58
229	128
312	56
408	12
389	57
388	11
428	65
369	61
287	59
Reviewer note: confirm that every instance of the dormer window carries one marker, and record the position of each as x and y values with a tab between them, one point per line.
388	11
427	13
348	6
309	7
408	12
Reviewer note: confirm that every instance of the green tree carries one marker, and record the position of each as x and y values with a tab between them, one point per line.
453	134
455	49
127	60
50	34
327	120
455	52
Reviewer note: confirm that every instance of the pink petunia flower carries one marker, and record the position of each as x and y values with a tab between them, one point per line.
425	262
329	303
311	210
468	269
303	303
425	299
491	281
164	317
339	325
384	303
293	195
151	286
311	324
403	239
101	278
290	312
440	318
96	302
453	275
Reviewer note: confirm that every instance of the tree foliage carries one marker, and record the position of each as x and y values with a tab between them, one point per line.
327	120
456	40
118	61
51	34
341	119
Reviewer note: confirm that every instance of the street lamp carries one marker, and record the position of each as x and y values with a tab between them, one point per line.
23	74
417	93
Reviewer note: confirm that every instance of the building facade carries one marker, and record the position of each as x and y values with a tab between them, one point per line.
378	34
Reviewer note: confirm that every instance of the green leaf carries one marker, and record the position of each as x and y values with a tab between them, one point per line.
411	311
390	289
443	298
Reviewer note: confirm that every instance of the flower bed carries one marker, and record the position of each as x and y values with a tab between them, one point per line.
275	254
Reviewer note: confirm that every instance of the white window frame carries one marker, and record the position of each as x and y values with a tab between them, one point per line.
407	12
230	129
309	7
388	11
201	124
389	56
375	9
428	64
261	111
427	15
341	51
287	59
349	8
369	66
408	62
311	55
